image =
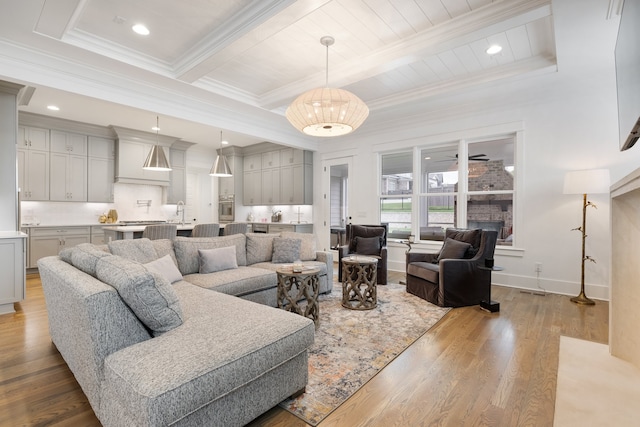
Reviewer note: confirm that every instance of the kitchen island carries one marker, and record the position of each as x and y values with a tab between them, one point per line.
121	232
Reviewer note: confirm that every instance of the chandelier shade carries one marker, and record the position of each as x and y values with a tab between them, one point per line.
327	111
157	160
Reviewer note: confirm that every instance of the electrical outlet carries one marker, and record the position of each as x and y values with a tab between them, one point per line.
538	267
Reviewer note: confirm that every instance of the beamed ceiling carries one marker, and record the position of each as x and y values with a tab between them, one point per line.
236	64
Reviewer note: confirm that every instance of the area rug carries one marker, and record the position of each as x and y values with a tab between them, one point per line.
351	346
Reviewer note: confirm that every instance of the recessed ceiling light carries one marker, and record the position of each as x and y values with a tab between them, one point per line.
493	49
53	107
427	158
155	129
140	29
224	142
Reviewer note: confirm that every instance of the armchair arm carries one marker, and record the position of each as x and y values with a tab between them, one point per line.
463	283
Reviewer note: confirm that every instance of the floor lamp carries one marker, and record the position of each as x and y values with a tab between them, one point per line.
583	182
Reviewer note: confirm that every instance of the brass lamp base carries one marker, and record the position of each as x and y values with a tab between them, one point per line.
583	300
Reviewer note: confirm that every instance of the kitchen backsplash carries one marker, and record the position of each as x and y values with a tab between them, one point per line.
132	202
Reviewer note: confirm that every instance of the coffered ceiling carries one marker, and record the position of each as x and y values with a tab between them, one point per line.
237	64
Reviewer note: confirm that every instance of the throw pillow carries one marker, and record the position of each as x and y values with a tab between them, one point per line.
85	257
186	249
368	245
259	247
364	231
472	237
139	250
149	295
307	247
286	250
166	268
453	249
217	259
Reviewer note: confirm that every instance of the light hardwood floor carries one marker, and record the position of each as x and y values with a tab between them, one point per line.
473	368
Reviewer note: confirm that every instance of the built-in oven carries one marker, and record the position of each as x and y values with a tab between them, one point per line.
226	209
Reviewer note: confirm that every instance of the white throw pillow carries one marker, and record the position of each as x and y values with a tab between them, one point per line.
166	268
218	259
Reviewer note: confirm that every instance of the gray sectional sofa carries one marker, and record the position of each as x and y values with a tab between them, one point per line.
208	349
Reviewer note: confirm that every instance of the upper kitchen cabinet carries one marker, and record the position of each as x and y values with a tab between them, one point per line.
286	176
33	163
232	185
132	149
68	163
101	169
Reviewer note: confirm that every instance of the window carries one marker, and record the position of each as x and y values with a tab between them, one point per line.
464	184
397	187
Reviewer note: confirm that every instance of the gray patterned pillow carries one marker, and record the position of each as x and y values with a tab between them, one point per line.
186	249
149	295
308	247
286	250
259	247
139	250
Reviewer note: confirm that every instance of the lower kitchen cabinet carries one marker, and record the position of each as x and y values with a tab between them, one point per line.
12	259
49	241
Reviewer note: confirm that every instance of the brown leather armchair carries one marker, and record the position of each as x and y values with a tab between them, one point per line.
369	240
451	279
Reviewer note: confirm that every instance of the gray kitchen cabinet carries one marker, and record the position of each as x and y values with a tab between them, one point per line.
232	185
70	143
32	138
270	186
299	228
252	162
33	174
68	177
48	241
271	159
296	184
12	262
252	187
97	235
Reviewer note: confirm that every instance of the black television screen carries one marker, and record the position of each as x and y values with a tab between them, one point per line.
627	55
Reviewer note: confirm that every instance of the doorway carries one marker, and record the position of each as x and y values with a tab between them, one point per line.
336	212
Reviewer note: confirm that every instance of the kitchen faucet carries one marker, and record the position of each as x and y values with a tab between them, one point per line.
180	210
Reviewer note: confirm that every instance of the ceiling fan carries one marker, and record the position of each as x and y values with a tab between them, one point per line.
472	158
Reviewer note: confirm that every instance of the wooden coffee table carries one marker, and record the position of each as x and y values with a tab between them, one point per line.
295	288
359	275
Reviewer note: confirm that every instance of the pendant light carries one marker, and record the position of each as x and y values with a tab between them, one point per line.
327	111
156	160
221	166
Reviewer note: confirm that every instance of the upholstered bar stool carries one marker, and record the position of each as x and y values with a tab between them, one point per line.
235	228
206	230
160	231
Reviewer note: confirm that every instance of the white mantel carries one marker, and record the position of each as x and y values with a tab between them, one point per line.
624	309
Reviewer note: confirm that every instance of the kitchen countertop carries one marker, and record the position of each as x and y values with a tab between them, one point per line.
12	234
134	228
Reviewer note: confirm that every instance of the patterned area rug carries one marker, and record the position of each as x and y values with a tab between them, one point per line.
352	346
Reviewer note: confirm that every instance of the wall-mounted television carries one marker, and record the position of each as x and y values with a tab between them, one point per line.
627	55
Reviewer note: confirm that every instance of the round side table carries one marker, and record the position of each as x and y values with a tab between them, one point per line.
359	274
295	288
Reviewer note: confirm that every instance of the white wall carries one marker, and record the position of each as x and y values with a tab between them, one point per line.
569	121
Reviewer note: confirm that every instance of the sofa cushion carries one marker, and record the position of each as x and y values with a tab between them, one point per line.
259	247
217	259
149	295
308	246
164	247
365	231
368	245
424	270
165	267
85	256
140	250
453	249
239	282
186	249
286	250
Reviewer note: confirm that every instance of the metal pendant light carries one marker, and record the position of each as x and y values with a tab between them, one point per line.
221	166
327	111
156	160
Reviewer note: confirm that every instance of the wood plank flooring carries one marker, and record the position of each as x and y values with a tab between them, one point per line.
473	368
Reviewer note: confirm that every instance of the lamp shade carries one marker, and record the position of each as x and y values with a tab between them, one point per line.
327	112
586	181
221	167
156	160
